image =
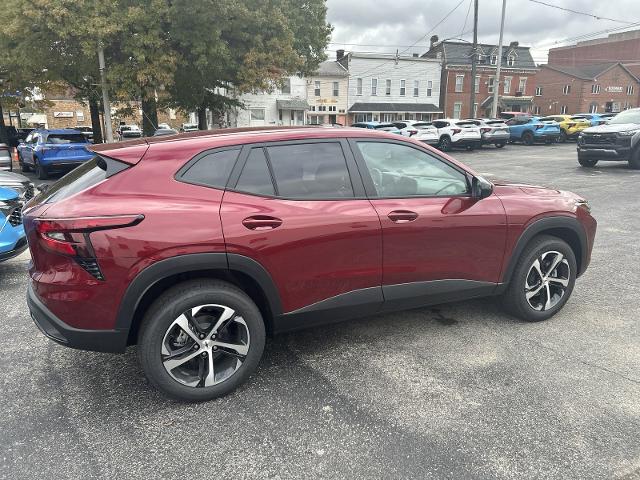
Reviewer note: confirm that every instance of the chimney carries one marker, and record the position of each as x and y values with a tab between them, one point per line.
434	40
514	44
339	54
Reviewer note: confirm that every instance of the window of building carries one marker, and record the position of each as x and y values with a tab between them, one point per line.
257	114
286	86
388	87
475	110
459	83
538	91
563	110
429	88
416	88
212	169
511	60
409	172
566	90
358	86
630	90
593	108
595	89
316	89
388	117
476	84
490	84
403	88
457	109
494	59
536	110
255	177
336	89
374	86
310	170
522	86
507	84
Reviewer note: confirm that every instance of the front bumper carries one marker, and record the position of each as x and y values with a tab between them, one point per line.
112	341
603	153
20	246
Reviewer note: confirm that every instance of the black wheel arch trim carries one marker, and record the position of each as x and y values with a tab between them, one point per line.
162	269
540	227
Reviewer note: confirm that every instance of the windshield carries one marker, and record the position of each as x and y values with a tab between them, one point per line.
66	138
628	116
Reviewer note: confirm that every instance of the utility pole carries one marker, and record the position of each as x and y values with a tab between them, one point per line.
105	97
496	82
474	59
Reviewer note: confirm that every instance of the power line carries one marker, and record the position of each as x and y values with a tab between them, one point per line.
597	17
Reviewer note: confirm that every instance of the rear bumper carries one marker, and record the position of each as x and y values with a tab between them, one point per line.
112	341
464	142
546	135
64	163
496	137
429	141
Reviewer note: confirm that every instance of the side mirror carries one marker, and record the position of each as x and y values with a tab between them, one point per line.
481	188
43	187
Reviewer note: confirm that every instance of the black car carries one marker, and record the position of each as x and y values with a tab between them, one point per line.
618	140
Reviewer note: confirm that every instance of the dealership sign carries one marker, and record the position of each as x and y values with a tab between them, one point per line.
613	89
63	114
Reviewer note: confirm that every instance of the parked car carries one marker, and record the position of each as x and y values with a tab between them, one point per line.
454	133
594	118
86	131
5	157
165	131
189	127
320	225
426	133
618	140
608	116
384	127
406	127
570	127
510	115
164	126
12	237
492	131
53	151
529	130
19	183
127	132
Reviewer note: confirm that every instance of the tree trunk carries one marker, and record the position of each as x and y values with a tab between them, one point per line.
202	118
149	114
4	138
94	110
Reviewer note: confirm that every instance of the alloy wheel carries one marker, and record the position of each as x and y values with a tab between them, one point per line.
205	345
547	281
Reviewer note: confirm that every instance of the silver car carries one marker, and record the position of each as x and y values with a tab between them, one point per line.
20	183
5	157
493	130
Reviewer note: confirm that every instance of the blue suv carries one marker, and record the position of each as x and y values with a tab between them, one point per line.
12	238
526	129
53	151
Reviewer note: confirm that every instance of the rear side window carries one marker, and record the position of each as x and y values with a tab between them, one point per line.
211	170
255	177
64	139
311	170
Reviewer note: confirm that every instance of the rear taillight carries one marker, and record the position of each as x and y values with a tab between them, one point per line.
485	130
455	130
412	132
70	237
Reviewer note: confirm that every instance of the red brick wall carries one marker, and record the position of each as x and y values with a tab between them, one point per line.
616	51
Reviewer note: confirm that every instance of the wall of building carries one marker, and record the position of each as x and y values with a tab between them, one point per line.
621	47
323	106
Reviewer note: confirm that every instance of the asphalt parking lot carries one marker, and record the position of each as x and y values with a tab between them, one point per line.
454	391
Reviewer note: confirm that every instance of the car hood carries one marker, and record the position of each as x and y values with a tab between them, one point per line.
503	189
608	128
10	177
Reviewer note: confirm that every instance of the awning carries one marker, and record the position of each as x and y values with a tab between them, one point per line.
293	104
504	100
394	107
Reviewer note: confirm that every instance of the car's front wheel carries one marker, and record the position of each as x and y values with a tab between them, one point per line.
589	163
200	340
41	172
542	281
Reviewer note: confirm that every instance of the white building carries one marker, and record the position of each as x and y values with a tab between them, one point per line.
386	87
282	106
327	93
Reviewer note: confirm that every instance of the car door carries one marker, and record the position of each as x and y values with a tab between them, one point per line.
439	243
299	210
30	148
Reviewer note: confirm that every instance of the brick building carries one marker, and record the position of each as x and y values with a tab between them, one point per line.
608	87
617	47
518	72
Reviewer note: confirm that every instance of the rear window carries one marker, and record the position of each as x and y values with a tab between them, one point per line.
466	124
86	175
66	138
495	122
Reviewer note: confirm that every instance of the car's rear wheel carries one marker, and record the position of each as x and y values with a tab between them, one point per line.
444	144
41	172
527	138
201	340
588	163
542	281
500	144
563	136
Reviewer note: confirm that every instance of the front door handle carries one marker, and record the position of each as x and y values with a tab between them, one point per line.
402	216
261	222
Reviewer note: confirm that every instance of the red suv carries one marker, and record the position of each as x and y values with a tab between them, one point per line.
195	246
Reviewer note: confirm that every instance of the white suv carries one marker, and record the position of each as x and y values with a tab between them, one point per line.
457	133
418	130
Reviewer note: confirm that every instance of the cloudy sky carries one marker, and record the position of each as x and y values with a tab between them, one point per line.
375	25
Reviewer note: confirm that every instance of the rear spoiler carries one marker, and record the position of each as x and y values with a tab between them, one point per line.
130	152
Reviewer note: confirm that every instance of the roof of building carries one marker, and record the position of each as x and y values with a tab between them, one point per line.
459	53
394	107
588	72
292	104
331	68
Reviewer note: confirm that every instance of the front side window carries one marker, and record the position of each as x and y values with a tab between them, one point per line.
213	169
403	171
310	170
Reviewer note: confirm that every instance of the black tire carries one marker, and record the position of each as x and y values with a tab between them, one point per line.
444	144
587	163
23	167
40	171
500	144
470	147
169	306
514	299
527	138
634	160
563	136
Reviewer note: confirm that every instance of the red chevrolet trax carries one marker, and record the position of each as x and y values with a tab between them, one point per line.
196	246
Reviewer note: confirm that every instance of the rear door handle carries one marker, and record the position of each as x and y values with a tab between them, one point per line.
261	222
402	216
